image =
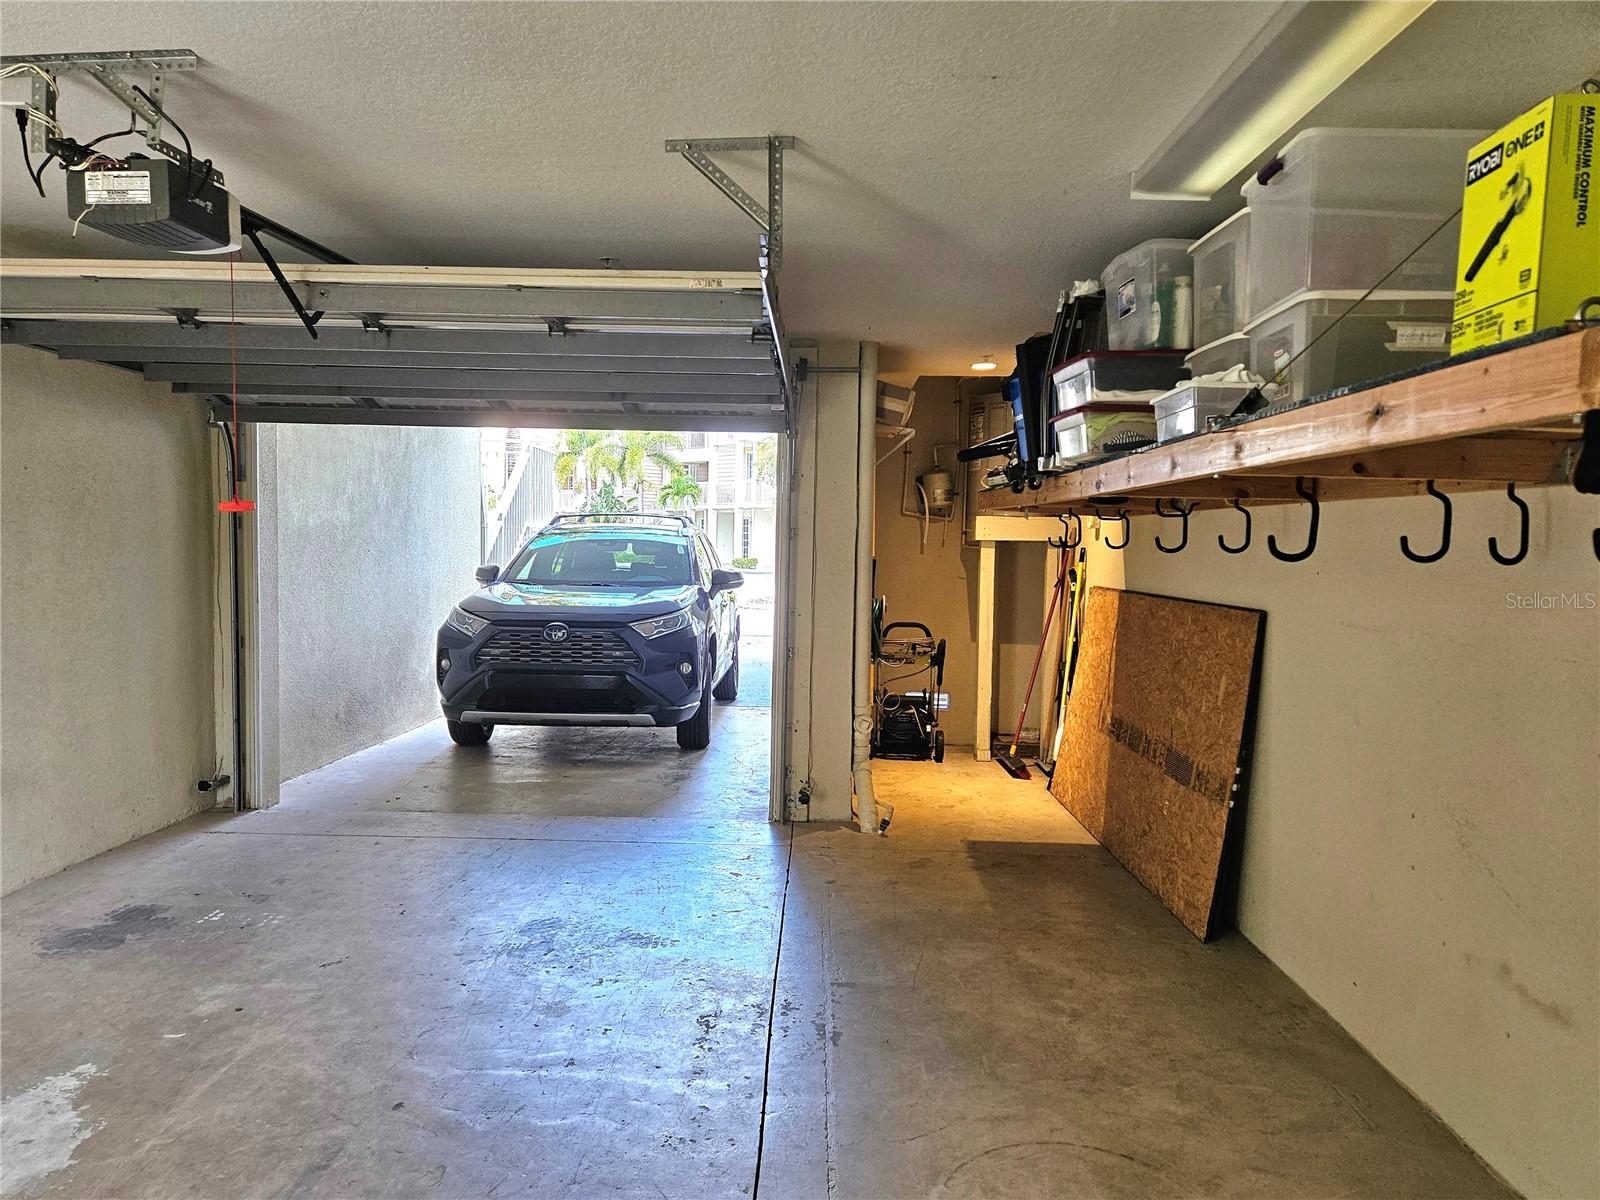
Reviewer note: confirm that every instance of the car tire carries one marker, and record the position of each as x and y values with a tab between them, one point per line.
468	733
728	686
695	733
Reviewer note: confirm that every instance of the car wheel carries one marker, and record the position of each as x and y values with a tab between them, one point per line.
468	733
728	686
695	733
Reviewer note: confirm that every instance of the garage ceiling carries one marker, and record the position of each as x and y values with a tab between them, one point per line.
418	345
958	163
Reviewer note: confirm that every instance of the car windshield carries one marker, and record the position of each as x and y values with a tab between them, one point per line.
610	559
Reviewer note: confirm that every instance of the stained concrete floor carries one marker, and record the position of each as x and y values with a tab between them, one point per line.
546	969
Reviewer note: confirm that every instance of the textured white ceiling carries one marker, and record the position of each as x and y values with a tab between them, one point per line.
959	163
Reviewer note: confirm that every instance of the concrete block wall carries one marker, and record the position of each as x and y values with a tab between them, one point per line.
106	611
1421	837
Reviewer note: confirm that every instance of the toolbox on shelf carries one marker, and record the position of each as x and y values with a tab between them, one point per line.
1187	407
1221	261
1348	205
1387	333
1147	301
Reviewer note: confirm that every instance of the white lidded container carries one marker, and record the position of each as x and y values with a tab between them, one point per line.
1350	204
1221	355
1085	432
1221	274
1387	333
1185	409
1115	376
1147	301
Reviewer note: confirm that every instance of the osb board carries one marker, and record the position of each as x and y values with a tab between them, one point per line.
1155	724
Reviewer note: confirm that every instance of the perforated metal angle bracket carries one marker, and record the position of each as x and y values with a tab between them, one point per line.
109	69
697	153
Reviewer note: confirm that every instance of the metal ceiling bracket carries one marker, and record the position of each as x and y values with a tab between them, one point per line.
108	70
697	153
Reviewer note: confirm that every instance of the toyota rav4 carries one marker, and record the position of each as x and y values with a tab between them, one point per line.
617	619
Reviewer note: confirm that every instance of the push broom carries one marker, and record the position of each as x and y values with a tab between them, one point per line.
1013	765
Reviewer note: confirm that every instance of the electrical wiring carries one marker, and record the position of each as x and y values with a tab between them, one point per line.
18	68
188	146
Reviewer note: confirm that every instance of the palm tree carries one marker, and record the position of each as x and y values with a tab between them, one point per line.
679	492
636	449
586	458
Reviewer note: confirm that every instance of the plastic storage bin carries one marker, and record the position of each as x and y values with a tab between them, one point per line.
1146	307
1083	432
1348	205
1221	273
1220	355
1115	375
1185	408
1388	333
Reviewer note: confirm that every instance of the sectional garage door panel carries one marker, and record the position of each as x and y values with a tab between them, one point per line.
419	345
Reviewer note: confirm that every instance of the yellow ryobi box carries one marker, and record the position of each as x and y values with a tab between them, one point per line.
1530	238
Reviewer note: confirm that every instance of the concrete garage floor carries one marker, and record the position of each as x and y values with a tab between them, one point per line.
547	970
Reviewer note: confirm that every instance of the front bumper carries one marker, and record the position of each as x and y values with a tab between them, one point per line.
652	690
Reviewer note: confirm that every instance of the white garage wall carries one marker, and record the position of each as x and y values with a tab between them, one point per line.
1422	838
370	535
106	610
821	593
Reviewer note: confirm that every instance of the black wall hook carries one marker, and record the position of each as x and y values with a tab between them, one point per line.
1178	510
1127	529
1511	560
1244	545
1310	497
1072	531
1444	536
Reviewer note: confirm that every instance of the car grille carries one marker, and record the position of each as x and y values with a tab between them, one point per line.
526	647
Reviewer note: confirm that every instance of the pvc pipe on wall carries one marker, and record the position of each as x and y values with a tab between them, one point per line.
866	469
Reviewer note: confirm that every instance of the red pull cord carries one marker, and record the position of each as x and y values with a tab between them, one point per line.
234	505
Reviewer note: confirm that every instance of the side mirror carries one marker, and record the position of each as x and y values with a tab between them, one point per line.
487	575
723	580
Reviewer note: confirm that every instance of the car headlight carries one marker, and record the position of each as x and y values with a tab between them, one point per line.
465	622
657	626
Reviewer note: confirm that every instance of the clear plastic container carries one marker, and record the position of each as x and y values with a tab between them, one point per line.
1084	432
1185	408
1220	355
1350	204
1115	376
1146	308
1388	333
1221	258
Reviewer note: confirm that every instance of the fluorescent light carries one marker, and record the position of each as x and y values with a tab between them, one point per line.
1297	60
984	364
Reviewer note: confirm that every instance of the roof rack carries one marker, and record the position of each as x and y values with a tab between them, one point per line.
622	518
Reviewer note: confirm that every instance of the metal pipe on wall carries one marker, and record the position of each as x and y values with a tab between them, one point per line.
866	470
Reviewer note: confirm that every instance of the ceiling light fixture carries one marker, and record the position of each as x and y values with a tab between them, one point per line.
984	364
1297	60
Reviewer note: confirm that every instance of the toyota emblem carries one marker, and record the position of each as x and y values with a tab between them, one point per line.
556	632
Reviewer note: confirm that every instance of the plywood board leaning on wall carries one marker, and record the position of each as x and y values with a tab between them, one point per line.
1155	734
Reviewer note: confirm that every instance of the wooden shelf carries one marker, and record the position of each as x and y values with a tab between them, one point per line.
1511	417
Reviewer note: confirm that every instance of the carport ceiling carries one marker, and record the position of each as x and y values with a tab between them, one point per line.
418	345
958	163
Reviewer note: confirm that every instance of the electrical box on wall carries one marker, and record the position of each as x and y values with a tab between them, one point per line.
1530	238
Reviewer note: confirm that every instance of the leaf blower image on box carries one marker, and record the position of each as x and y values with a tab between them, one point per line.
1520	188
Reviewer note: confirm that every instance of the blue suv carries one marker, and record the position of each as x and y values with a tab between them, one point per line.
602	619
